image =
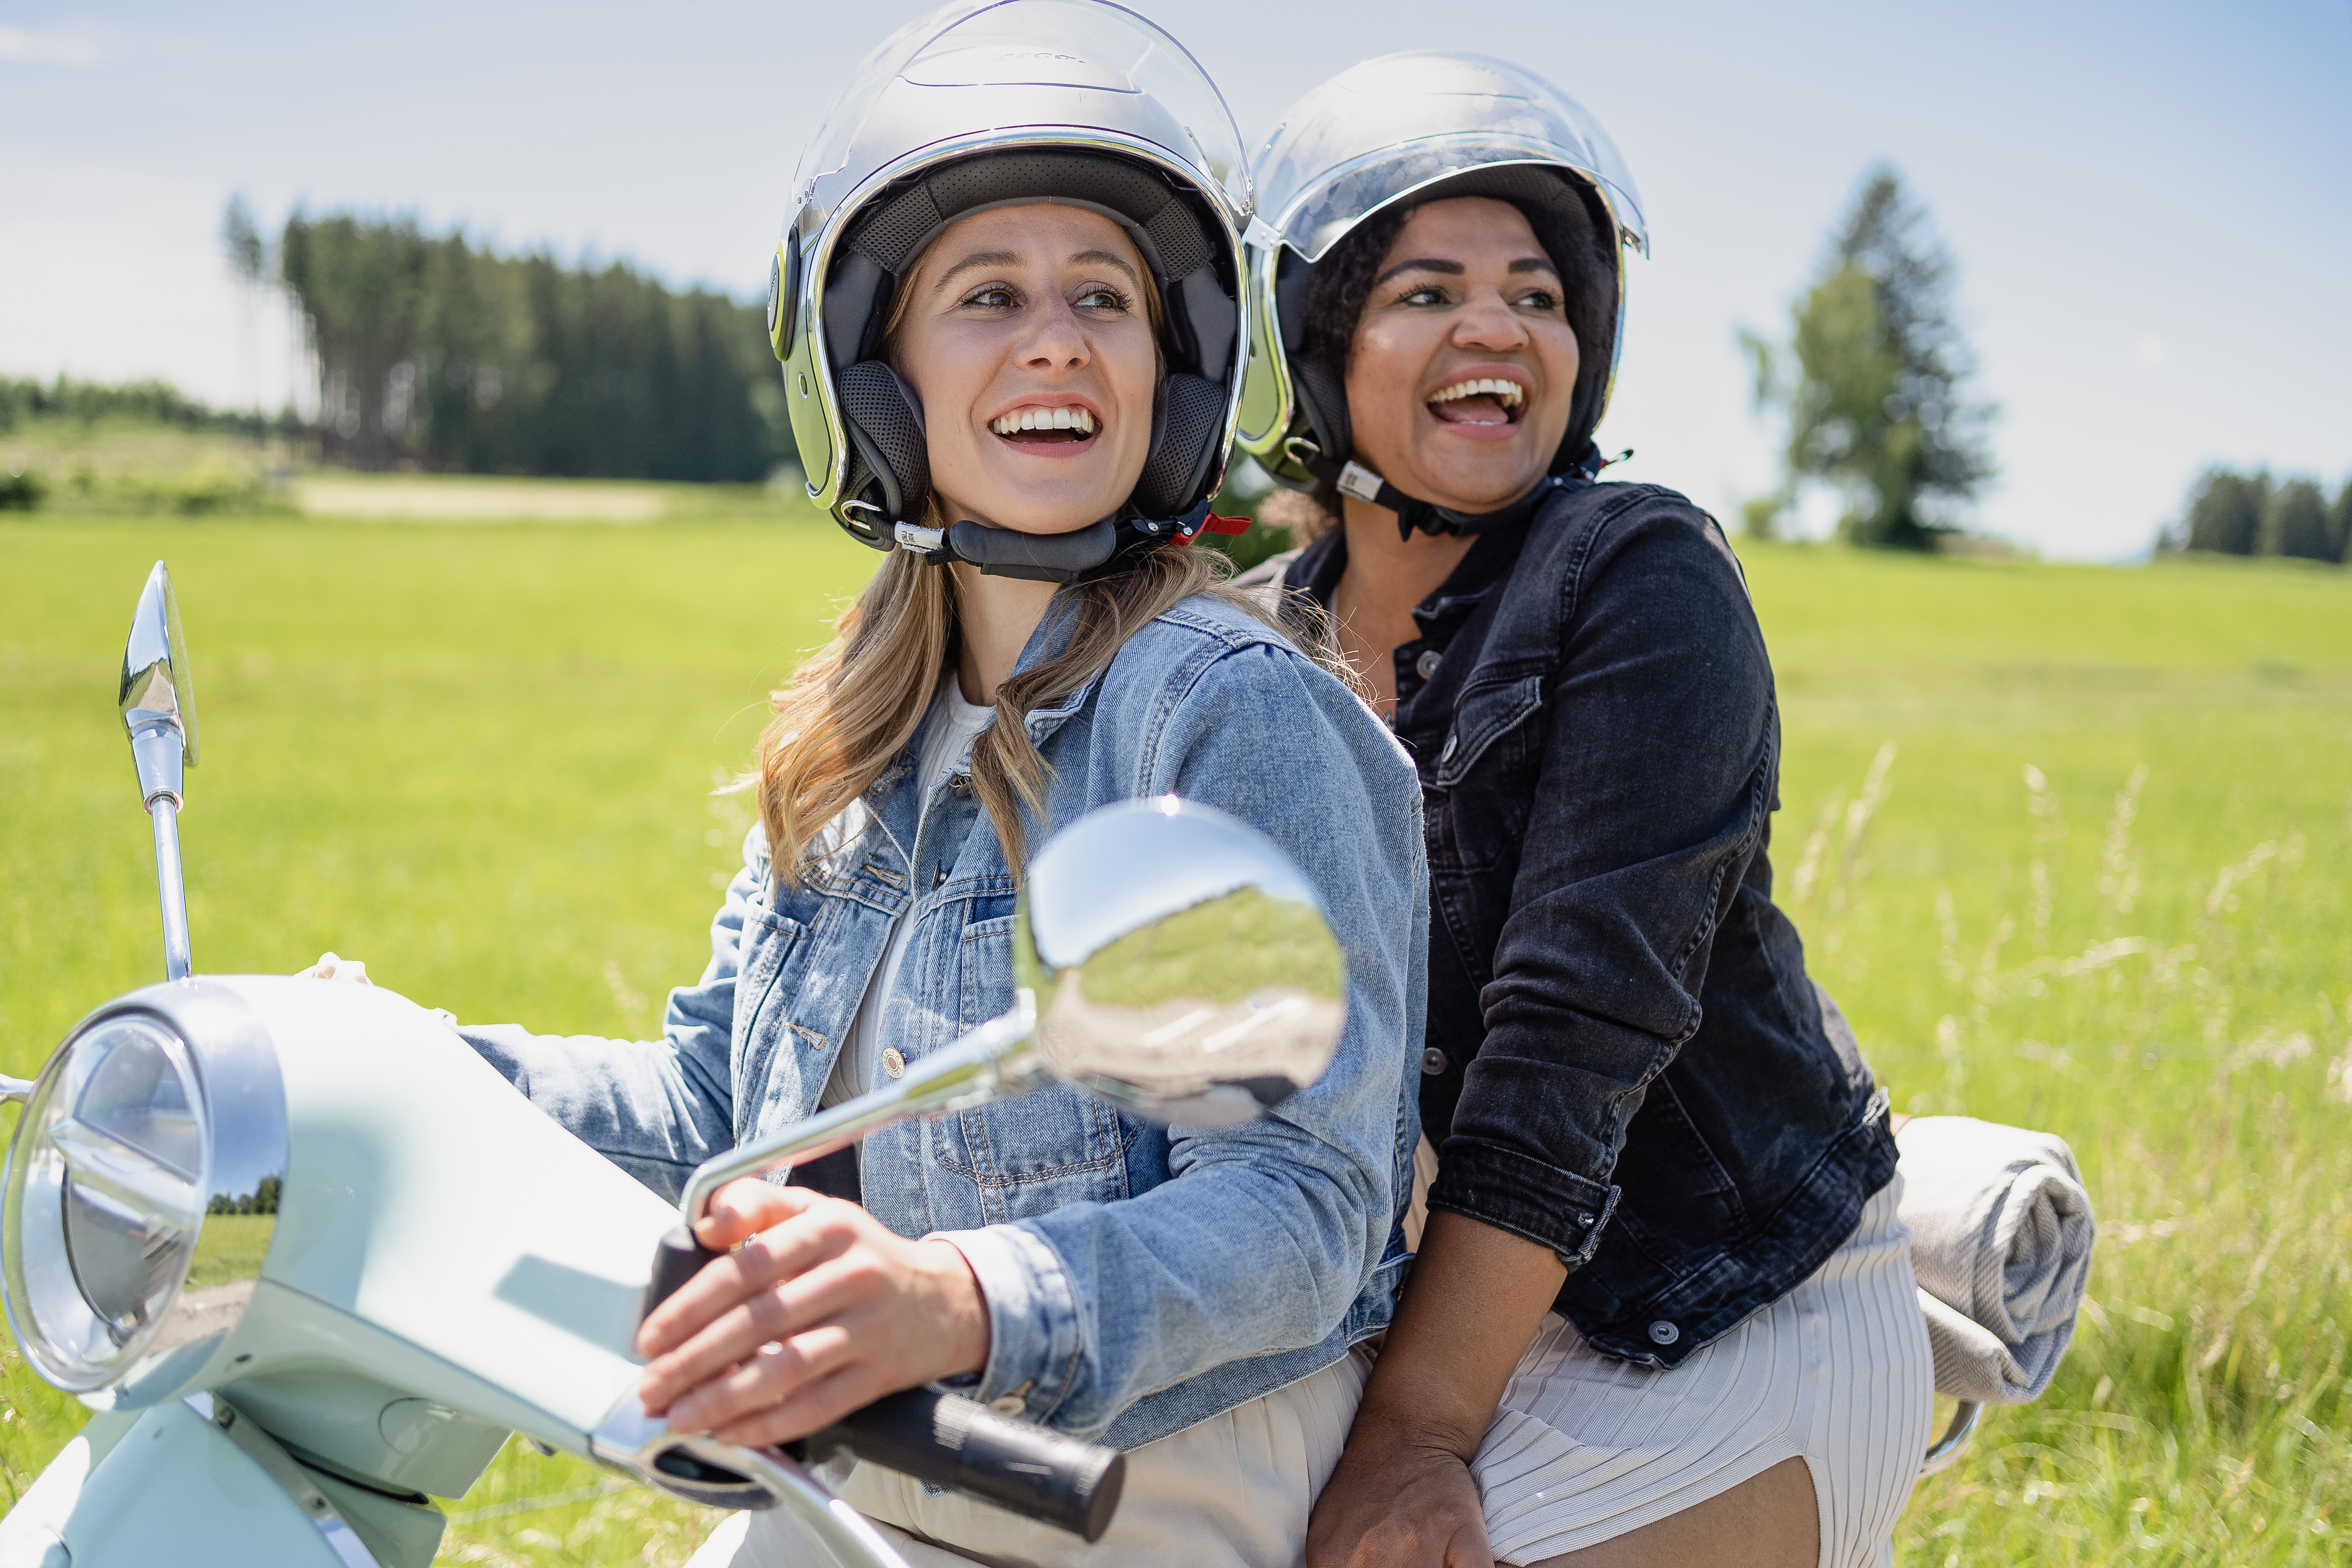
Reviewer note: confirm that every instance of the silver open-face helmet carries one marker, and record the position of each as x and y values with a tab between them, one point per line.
1396	131
990	103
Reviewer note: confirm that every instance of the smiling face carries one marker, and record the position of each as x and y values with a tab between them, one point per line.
1462	366
1025	335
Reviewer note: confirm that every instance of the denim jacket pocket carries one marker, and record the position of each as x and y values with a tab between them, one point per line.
776	949
1486	715
985	960
1030	1156
1036	1153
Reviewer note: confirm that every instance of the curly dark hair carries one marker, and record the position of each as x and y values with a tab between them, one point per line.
1343	285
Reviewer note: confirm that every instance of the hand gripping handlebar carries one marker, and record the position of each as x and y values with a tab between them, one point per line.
946	1439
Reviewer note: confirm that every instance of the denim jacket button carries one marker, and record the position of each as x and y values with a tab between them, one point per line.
1453	744
939	877
1427	665
892	1062
1665	1333
1432	1062
1585	1220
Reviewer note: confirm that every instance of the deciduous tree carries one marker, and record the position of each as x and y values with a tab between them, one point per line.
1873	381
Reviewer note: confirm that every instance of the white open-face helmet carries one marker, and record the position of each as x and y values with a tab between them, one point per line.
991	104
1390	134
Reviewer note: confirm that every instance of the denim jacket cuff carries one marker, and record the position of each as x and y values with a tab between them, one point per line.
1033	1317
1502	1188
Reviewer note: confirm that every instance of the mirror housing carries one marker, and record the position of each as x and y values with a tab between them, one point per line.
158	696
1184	969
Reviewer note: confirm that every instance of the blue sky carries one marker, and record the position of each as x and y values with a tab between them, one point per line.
2151	205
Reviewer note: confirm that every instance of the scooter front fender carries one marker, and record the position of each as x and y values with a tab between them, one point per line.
179	1487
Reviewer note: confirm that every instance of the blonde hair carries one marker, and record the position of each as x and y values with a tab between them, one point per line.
856	705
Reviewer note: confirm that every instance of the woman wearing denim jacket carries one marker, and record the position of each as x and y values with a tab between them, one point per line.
1031	341
1662	1310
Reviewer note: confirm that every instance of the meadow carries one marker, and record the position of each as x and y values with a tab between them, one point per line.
2073	846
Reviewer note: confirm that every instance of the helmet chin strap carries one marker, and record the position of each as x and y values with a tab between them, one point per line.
1352	478
1045	557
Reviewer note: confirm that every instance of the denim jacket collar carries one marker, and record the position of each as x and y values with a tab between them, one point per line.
1054	630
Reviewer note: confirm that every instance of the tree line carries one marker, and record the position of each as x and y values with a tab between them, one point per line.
437	352
144	401
263	1199
2232	513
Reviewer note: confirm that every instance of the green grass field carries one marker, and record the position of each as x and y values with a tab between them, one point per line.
2073	846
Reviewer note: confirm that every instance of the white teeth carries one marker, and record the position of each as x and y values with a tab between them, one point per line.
1022	419
1507	393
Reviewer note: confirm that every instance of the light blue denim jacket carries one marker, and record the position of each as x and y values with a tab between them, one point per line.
1138	1278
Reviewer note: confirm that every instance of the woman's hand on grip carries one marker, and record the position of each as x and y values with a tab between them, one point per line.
821	1309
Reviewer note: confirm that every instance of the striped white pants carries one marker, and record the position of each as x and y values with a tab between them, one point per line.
1585	1448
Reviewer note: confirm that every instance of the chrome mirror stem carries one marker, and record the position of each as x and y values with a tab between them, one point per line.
172	887
996	1060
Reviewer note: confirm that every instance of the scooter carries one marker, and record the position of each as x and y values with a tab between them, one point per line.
309	1260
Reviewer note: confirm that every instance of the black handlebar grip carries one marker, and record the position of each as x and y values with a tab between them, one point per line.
677	1257
962	1445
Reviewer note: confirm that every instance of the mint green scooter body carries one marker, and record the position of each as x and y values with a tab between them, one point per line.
165	1485
448	1266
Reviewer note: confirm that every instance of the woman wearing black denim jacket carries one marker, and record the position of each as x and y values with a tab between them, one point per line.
1662	1310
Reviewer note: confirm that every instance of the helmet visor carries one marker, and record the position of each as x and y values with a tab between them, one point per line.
1391	126
1030	69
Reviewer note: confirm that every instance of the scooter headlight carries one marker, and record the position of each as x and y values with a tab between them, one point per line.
127	1241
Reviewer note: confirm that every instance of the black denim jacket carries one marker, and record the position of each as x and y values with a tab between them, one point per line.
1626	1061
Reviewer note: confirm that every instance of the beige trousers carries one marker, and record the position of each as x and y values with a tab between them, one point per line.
1233	1492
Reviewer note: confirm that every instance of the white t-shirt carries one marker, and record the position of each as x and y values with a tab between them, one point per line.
949	730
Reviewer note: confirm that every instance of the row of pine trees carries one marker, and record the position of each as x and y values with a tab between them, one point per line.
437	353
2233	514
